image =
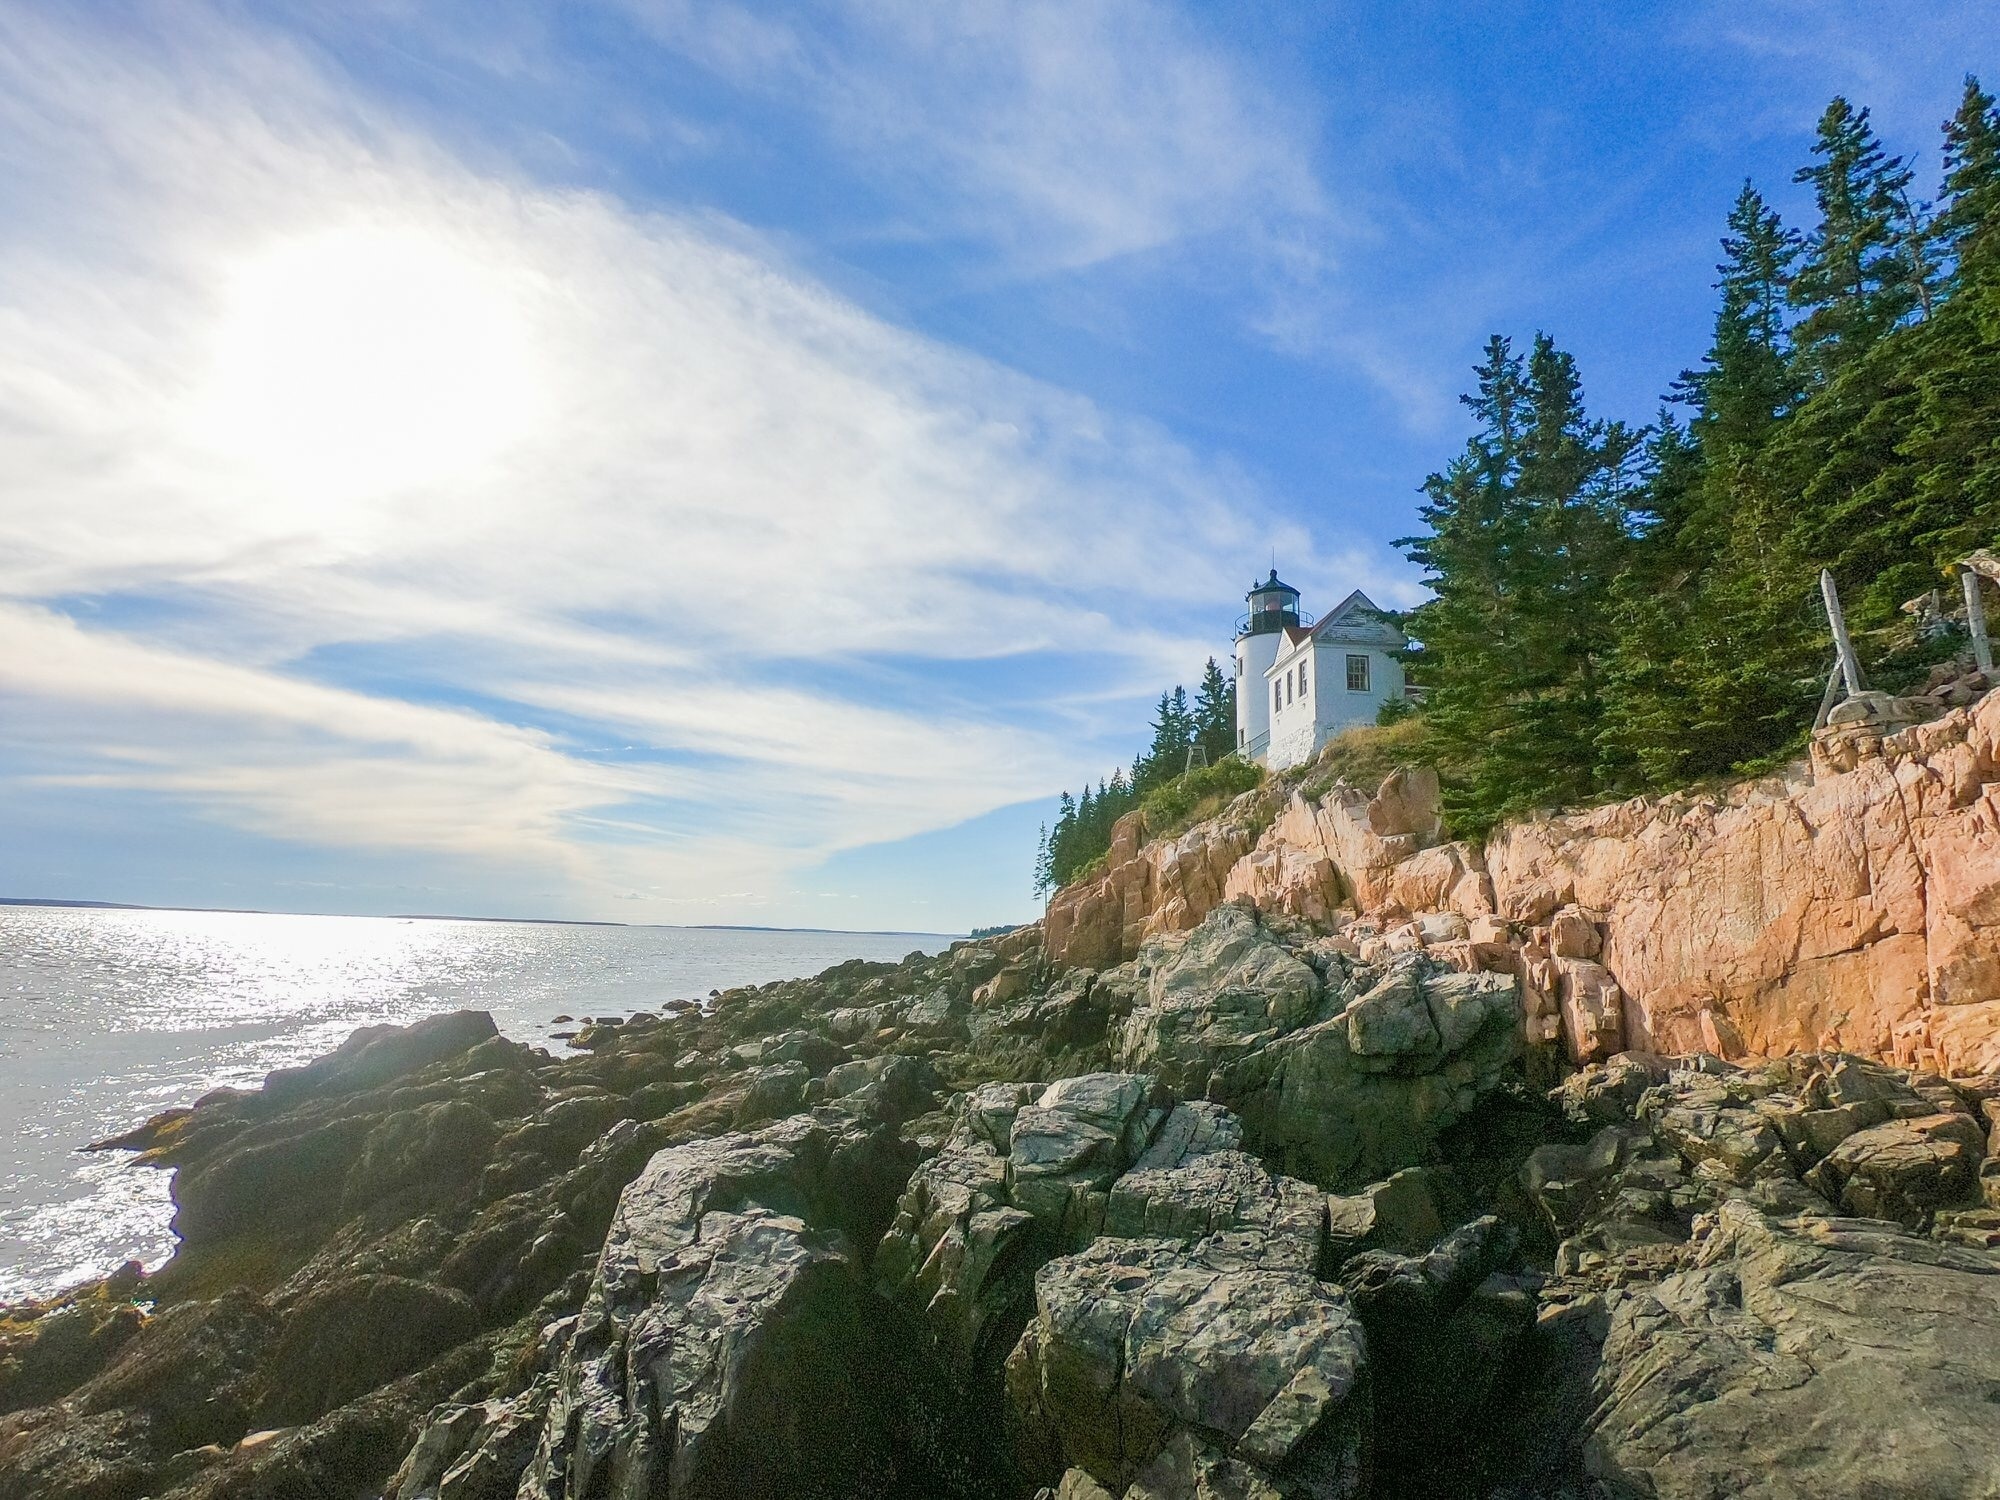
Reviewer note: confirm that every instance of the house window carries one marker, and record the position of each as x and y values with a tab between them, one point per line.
1277	696
1357	674
1303	680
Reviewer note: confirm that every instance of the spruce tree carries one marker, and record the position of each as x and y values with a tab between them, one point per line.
1857	278
1468	554
1712	617
1150	767
1215	712
1968	220
1747	382
1529	527
1183	731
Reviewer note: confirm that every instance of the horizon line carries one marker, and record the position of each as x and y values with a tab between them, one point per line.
258	911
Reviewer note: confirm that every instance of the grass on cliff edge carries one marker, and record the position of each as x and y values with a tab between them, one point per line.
1363	757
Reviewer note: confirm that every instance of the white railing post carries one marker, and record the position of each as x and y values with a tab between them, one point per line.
1850	664
1975	621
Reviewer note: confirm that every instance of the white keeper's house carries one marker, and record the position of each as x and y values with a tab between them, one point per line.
1298	683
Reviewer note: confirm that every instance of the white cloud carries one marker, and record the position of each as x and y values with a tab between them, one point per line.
718	492
1068	131
288	757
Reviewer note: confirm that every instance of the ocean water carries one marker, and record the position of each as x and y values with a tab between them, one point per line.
107	1017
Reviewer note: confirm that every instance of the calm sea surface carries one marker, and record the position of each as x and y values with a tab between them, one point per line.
109	1016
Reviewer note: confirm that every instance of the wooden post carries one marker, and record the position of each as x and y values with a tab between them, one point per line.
1830	697
1850	664
1975	621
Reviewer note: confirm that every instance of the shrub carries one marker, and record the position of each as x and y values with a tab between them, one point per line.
1201	793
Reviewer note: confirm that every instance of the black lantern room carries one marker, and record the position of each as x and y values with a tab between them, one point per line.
1273	606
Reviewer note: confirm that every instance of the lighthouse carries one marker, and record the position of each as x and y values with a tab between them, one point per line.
1274	609
1299	683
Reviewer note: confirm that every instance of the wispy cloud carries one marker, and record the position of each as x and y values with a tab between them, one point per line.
1066	132
634	481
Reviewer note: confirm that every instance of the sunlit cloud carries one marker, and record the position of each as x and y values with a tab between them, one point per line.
629	498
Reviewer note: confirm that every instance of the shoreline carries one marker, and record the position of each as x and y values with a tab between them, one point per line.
414	916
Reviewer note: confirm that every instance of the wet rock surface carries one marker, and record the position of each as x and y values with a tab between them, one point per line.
1265	1211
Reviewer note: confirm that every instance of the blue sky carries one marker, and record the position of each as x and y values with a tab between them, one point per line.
694	462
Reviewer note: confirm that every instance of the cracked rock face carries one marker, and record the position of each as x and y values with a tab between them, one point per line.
1811	1357
1725	1330
1026	1172
1212	998
728	1348
1341	1080
1148	1355
1437	1042
1859	911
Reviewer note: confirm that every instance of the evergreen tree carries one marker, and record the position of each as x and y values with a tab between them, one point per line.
1150	767
1215	712
1747	381
1183	731
1891	465
1174	729
1711	618
1530	526
1968	220
1856	279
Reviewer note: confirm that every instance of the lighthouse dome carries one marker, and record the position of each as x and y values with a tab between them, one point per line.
1274	604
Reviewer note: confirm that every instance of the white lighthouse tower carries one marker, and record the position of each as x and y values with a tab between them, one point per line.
1274	608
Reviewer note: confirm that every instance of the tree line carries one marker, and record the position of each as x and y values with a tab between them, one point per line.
1082	830
1619	609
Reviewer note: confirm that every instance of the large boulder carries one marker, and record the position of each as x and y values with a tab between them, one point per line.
1905	1170
1813	1358
1222	1192
373	1055
1212	997
1065	1149
1026	1171
1151	1359
1370	1089
730	1345
1339	1079
355	1334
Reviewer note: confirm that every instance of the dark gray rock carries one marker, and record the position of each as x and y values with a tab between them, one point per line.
1317	1108
729	1347
355	1334
1213	996
1138	1346
1811	1357
1221	1192
374	1055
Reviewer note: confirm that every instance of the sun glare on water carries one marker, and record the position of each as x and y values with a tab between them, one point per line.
358	362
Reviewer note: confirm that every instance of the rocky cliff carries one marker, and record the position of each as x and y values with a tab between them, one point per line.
1252	1213
1856	907
1307	1156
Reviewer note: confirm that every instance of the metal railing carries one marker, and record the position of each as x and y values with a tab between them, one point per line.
1271	621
